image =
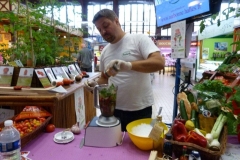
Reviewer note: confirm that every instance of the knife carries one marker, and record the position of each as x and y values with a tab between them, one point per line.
81	143
154	120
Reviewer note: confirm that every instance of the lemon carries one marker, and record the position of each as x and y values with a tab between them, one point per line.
189	125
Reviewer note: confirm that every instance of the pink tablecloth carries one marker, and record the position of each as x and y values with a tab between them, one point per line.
44	148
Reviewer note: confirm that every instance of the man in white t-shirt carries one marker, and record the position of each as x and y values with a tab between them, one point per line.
135	56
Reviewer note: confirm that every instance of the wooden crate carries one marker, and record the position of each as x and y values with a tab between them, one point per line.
30	136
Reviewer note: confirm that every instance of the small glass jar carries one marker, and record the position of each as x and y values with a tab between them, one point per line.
167	146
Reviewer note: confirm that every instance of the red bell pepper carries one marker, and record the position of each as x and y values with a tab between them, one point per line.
180	120
234	104
236	109
179	131
197	139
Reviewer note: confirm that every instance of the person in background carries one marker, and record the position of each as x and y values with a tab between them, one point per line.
95	61
163	67
85	58
133	56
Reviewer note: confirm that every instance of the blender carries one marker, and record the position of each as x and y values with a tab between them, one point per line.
105	130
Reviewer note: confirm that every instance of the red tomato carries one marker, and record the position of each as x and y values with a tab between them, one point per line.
42	119
50	128
84	73
17	87
66	81
60	83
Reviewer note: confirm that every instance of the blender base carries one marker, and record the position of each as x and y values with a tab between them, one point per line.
99	136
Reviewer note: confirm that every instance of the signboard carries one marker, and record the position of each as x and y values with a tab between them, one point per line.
226	27
43	78
50	74
73	69
6	114
164	43
59	73
25	77
6	73
178	39
80	107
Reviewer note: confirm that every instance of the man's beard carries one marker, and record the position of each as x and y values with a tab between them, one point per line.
110	38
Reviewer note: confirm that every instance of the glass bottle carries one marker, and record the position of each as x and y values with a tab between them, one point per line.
194	156
158	145
184	155
167	146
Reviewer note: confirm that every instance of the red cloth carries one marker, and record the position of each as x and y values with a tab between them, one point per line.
44	148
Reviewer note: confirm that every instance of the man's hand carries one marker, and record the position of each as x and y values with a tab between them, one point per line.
119	65
89	85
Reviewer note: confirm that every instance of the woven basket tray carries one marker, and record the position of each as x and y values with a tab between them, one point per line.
205	153
30	136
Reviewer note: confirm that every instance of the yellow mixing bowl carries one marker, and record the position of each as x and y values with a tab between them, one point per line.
143	143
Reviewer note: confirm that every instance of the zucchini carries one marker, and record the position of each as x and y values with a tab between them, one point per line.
191	98
183	111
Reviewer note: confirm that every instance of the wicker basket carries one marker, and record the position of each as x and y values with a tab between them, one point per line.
205	153
30	136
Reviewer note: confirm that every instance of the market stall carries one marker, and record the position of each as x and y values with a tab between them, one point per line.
60	105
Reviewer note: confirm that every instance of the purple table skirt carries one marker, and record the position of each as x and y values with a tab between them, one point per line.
233	139
44	148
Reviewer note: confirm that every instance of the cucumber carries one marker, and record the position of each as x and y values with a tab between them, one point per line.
197	121
193	117
183	111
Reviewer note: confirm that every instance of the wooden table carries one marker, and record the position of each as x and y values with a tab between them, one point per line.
61	105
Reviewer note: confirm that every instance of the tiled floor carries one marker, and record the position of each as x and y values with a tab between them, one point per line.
163	88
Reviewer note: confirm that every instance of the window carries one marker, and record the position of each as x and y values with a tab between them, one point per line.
138	18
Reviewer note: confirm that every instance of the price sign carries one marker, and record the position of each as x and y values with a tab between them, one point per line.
6	114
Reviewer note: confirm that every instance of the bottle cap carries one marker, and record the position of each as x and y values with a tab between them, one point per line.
159	118
8	123
195	154
168	136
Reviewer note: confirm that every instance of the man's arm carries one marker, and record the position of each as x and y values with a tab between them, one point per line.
103	79
153	63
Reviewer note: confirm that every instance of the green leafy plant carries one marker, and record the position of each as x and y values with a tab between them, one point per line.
236	95
226	12
34	35
213	86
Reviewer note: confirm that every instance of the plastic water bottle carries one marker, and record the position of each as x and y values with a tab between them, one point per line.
10	142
